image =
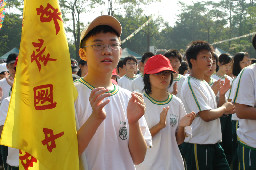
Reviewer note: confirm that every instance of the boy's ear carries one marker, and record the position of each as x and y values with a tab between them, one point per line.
82	54
192	61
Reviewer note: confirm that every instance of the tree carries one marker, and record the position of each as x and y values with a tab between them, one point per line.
10	34
76	8
131	21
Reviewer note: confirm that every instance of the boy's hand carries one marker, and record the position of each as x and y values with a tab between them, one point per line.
163	116
175	88
9	79
225	87
97	104
187	119
230	108
216	86
136	108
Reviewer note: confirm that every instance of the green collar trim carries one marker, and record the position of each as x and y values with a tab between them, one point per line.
113	92
159	102
211	81
178	78
221	77
129	77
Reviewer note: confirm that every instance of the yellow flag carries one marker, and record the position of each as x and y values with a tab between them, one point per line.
41	116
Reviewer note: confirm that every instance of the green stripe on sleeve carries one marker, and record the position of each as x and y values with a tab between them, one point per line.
238	86
194	96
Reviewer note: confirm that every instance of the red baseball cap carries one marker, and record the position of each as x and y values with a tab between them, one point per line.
156	64
114	72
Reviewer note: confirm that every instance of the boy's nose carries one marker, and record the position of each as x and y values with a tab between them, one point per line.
107	50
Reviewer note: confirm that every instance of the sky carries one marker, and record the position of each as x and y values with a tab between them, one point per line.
167	9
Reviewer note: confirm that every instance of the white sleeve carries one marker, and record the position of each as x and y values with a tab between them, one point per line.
120	82
245	92
3	111
145	131
194	99
233	90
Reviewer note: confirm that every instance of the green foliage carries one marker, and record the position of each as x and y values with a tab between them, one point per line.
10	34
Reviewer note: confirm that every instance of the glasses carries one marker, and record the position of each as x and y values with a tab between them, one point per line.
100	47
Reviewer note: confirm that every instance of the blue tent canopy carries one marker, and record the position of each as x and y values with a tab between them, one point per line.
4	57
219	51
127	52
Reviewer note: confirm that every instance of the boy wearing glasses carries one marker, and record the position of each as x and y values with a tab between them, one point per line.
111	129
130	64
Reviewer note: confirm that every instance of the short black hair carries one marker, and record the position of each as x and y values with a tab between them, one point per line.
236	65
194	48
183	67
11	58
253	60
120	65
146	56
97	30
214	55
129	58
225	59
173	54
254	41
147	85
82	62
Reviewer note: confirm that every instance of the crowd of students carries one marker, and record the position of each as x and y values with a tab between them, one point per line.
168	112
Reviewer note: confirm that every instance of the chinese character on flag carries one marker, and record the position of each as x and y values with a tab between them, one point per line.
41	115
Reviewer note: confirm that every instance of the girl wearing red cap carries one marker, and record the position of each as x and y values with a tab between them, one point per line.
165	115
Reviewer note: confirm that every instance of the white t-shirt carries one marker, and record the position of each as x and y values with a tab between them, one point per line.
164	154
232	95
138	84
180	79
5	87
126	82
108	149
13	154
245	93
198	96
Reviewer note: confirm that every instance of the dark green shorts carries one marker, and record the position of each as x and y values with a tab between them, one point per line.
246	157
205	157
4	153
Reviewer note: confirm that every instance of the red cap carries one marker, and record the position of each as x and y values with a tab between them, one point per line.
156	64
114	72
16	61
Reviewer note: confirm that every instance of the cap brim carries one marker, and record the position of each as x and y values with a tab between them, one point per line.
158	70
10	62
102	20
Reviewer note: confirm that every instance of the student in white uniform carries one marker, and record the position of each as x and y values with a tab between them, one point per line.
3	70
244	99
241	60
218	87
138	84
202	150
112	132
165	115
12	159
224	66
175	58
5	82
130	65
